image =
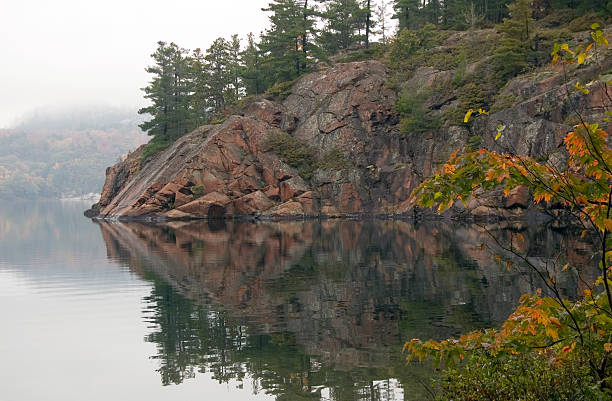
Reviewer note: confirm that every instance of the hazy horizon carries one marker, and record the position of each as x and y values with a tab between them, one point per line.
69	53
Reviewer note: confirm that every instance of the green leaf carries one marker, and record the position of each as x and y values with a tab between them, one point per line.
595	25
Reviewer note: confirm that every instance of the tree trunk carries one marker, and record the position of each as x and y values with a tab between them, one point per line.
368	25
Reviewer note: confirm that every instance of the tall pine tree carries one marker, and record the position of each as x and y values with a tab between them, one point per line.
343	21
169	92
251	72
510	57
287	47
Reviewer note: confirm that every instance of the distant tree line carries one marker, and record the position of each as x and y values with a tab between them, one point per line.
189	88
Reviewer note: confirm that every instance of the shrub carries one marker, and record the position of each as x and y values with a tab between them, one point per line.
469	96
197	191
528	377
292	151
459	77
375	51
583	22
154	146
409	41
279	91
503	102
333	160
416	117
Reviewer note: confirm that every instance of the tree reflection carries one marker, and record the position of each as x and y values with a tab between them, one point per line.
312	310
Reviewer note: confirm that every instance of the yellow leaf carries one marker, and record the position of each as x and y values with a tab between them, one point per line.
565	47
588	293
581	58
555	59
498	135
468	115
552	332
608	224
581	88
589	47
482	111
608	347
565	267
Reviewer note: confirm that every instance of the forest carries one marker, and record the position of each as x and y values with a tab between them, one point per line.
61	153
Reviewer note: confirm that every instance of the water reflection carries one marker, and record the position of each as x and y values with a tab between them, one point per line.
320	310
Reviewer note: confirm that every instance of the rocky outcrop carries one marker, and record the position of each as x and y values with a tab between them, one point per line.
345	112
227	170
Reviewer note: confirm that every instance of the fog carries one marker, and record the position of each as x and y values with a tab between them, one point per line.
66	53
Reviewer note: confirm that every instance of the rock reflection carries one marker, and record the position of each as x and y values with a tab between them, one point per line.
319	310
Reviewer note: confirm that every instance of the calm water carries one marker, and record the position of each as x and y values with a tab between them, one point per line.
241	311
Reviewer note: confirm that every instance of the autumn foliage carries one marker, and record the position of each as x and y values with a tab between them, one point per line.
568	342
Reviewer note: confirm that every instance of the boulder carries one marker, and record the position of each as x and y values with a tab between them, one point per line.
252	203
292	187
287	209
518	197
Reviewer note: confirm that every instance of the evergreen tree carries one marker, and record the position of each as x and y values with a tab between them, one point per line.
251	72
510	57
408	13
169	93
382	14
343	21
235	89
200	101
217	59
287	47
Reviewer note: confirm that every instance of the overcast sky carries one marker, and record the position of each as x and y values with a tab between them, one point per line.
75	52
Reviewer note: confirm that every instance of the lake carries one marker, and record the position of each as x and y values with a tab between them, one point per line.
237	310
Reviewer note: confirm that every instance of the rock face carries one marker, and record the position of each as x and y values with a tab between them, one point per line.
227	169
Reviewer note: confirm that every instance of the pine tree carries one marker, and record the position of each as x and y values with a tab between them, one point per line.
235	87
382	14
287	47
343	21
169	93
408	13
369	22
251	73
200	101
510	57
219	77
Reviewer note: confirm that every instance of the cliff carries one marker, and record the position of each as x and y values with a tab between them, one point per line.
333	147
